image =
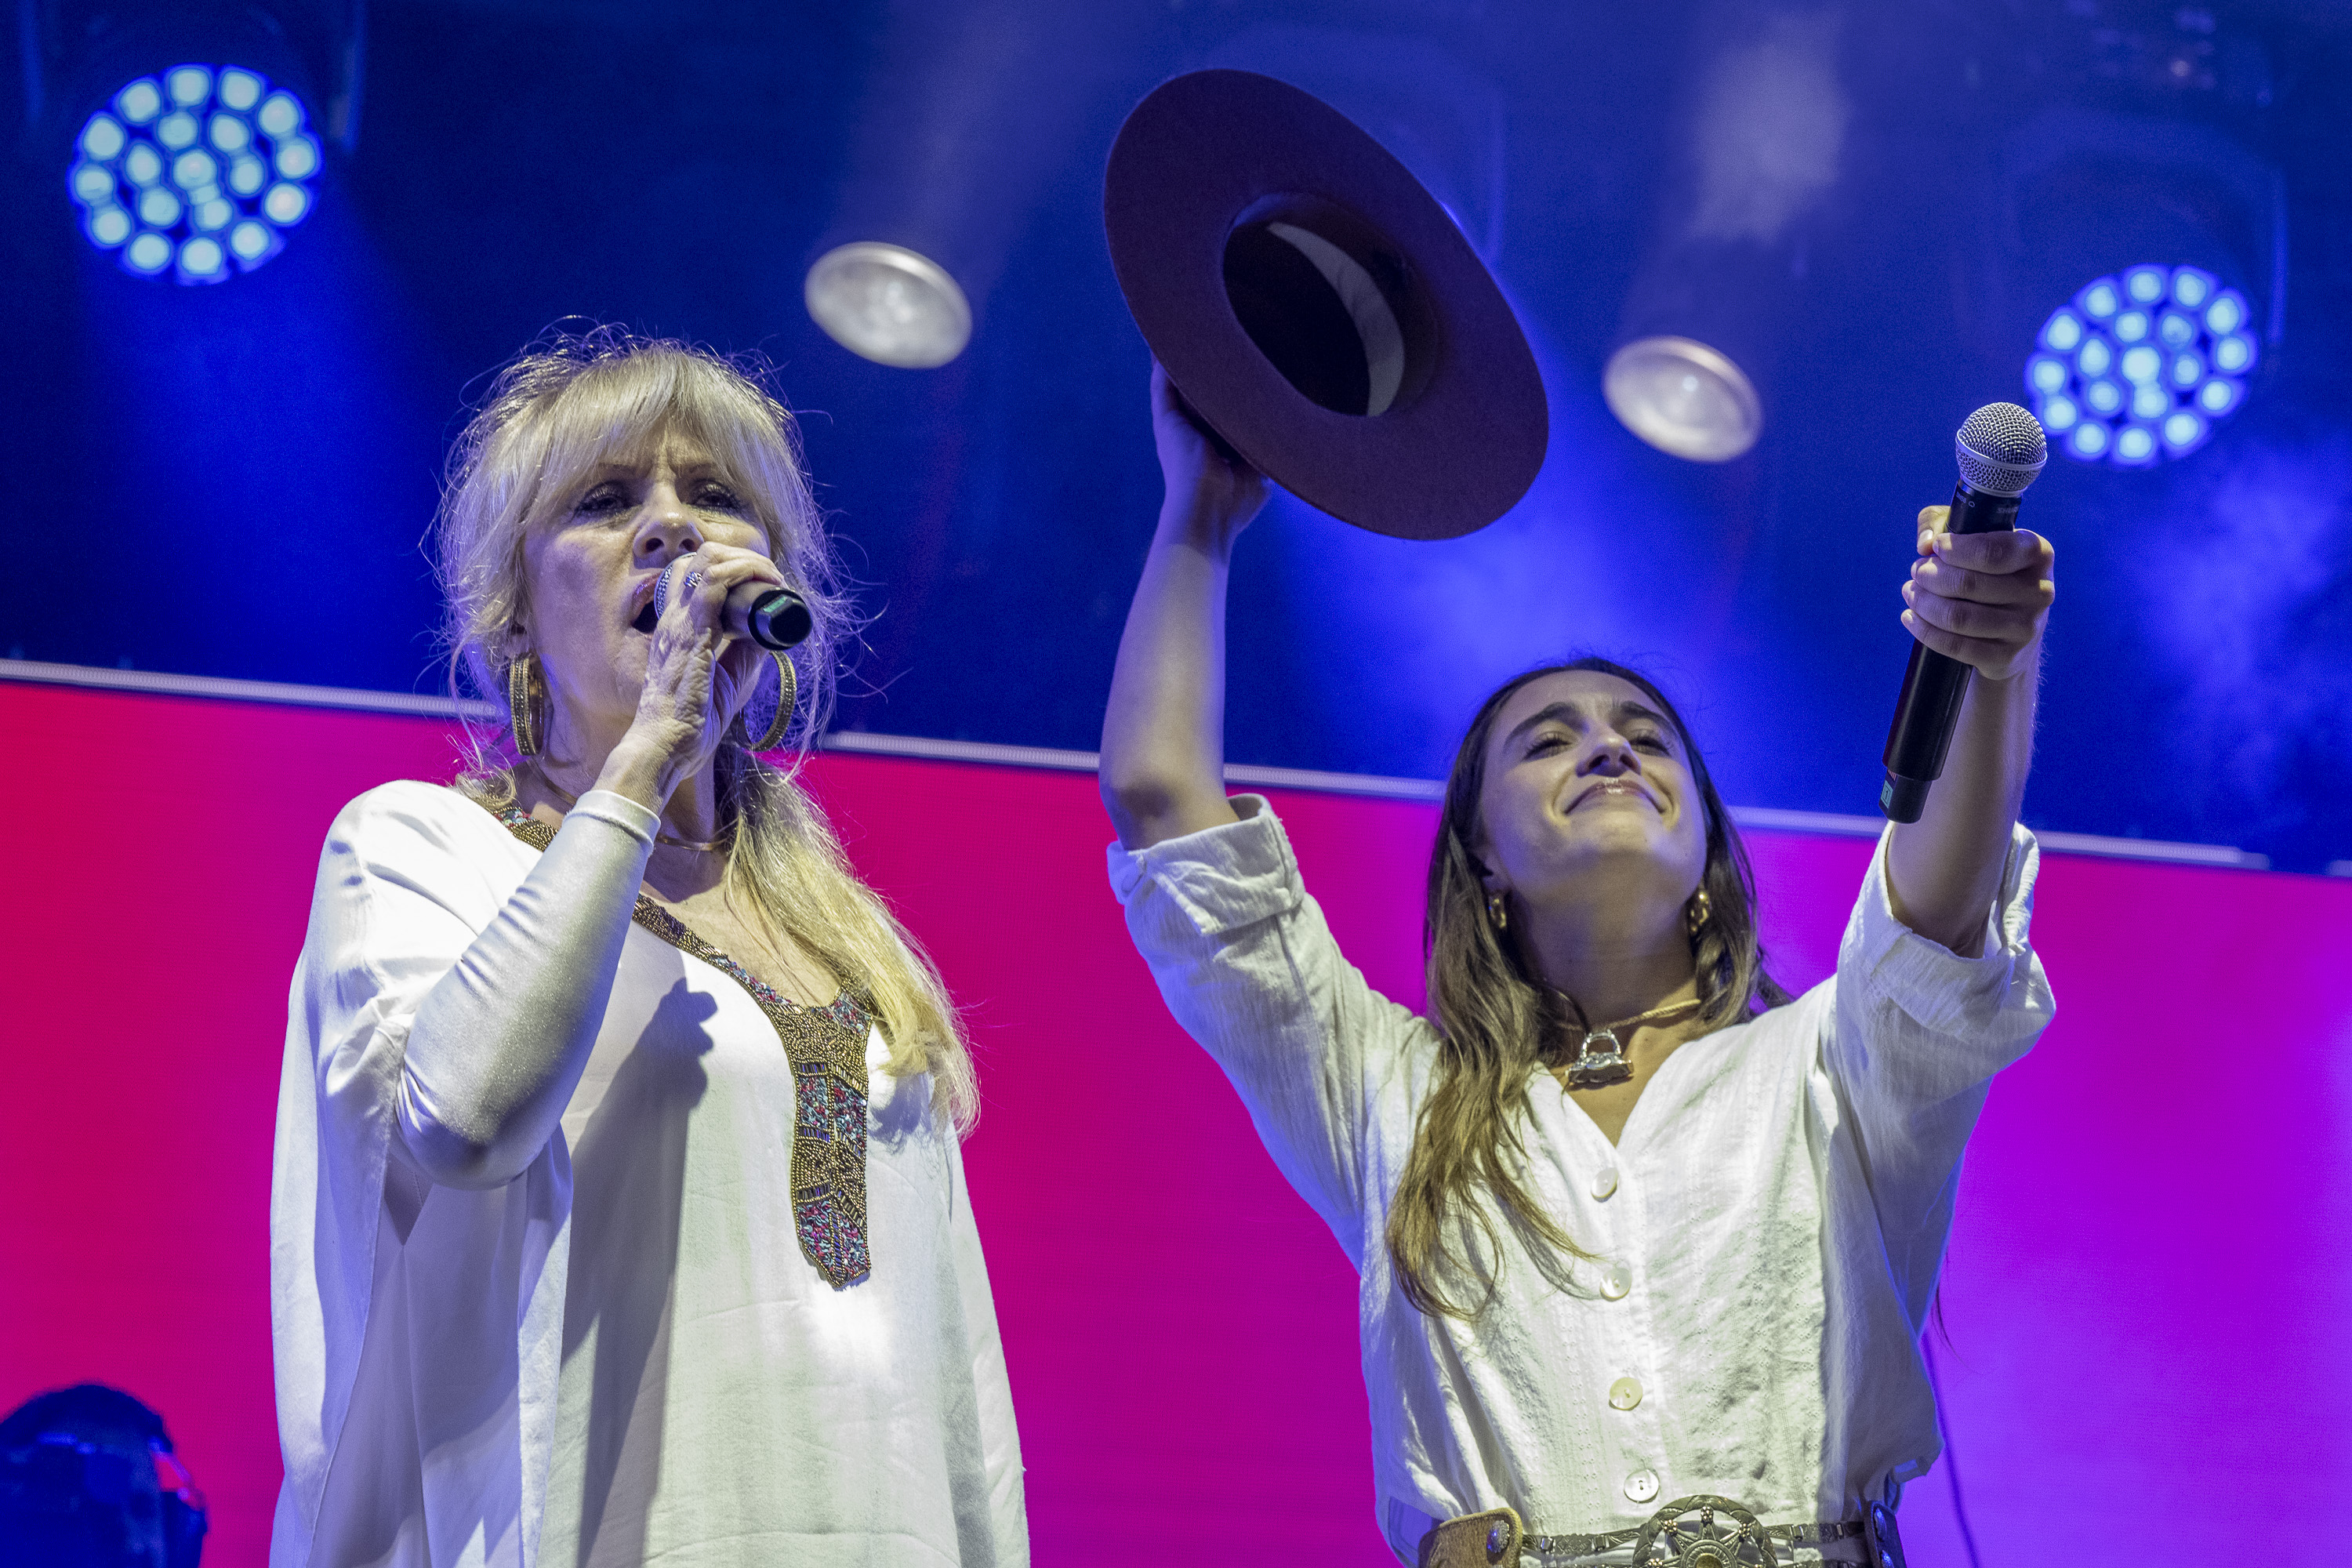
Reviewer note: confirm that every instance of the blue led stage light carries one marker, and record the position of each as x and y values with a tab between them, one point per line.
194	171
2141	366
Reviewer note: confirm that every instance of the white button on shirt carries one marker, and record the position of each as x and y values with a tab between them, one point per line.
1642	1485
1616	1280
1604	1184
1625	1393
1786	1189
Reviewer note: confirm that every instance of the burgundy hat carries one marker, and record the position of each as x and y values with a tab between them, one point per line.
1318	309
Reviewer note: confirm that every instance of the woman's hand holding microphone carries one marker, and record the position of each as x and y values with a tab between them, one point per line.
698	672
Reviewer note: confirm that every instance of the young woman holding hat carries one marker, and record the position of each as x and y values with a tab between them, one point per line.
1645	1243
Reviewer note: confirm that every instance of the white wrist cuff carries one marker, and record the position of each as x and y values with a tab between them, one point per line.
636	820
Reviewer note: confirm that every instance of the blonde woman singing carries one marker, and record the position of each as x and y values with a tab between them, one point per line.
1645	1243
618	1214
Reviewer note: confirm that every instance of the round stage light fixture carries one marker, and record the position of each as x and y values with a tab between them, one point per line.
1684	398
196	172
888	304
2141	366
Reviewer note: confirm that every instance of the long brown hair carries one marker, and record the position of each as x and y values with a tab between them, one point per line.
1494	1021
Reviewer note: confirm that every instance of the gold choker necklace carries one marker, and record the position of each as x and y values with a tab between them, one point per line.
572	800
1600	1059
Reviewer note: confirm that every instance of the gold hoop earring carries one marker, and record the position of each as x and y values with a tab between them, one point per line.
1498	913
526	697
1698	912
788	693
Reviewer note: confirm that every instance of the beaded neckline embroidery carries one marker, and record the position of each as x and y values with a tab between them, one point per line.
826	1047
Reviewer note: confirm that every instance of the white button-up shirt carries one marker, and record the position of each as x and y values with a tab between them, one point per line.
1767	1231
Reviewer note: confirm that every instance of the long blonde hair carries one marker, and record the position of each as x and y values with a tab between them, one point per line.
1495	1024
548	419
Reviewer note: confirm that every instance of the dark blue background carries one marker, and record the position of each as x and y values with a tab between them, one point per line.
237	480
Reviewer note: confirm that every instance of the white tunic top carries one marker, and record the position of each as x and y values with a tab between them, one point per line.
620	1356
1769	1225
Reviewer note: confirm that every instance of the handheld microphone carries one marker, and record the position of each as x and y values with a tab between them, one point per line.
2000	450
773	617
777	619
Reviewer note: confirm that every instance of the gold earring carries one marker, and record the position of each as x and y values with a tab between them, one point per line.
788	693
1700	911
526	698
1498	913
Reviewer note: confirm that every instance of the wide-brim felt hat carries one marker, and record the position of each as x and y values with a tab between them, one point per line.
1320	309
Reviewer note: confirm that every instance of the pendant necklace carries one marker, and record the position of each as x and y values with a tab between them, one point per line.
1602	1060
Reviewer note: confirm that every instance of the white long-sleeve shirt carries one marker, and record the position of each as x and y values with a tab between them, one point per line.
1769	1226
605	1346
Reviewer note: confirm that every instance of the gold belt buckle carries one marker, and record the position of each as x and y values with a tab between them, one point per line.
1489	1540
1668	1540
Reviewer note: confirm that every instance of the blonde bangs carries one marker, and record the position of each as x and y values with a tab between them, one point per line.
548	421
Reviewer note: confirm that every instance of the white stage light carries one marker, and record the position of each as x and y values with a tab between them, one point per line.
239	91
147	254
1684	398
109	227
201	260
176	173
298	158
253	242
2172	336
888	304
282	115
103	138
286	204
195	169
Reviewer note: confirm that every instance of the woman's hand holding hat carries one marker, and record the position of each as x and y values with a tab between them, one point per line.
1212	490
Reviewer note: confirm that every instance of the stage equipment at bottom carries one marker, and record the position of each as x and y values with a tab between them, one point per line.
2000	451
88	1477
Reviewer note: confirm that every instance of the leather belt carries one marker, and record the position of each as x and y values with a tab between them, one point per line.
1696	1531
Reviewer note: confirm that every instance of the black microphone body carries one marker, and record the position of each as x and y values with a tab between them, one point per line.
777	619
1935	684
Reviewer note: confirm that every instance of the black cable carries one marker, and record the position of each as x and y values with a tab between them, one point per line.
1951	1465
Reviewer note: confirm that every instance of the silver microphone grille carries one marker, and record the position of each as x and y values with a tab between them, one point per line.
2000	450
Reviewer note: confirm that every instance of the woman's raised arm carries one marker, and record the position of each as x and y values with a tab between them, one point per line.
1163	733
1981	598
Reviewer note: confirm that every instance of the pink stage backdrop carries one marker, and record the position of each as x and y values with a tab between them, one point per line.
2149	1284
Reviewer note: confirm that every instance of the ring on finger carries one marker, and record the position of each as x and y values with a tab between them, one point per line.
693	581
